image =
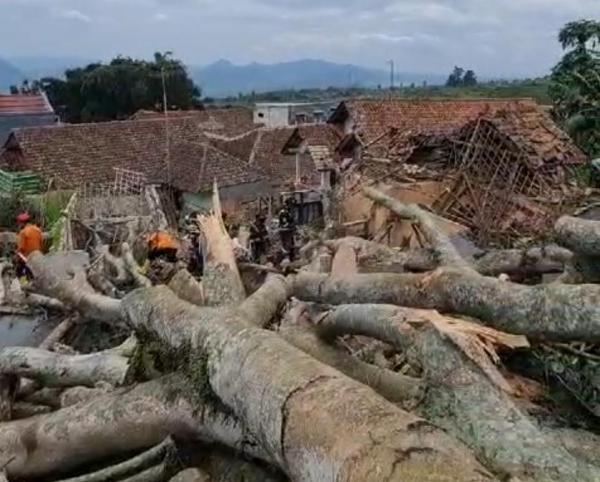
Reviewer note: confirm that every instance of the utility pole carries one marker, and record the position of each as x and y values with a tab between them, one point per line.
392	75
167	133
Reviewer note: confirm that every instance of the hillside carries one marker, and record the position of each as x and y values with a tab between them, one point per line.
223	78
9	75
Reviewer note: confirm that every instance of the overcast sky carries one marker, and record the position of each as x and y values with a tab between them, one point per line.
495	37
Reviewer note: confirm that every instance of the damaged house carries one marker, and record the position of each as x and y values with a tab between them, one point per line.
498	168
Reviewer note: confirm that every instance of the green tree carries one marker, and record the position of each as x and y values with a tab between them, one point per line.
455	79
470	79
102	92
575	83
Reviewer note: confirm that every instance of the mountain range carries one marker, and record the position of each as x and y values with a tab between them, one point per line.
224	78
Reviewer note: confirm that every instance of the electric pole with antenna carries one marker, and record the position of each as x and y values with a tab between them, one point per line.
392	75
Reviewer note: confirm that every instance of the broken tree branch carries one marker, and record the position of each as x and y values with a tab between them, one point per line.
546	312
56	370
448	254
130	467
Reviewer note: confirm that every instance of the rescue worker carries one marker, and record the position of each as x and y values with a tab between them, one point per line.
162	245
29	240
287	228
259	237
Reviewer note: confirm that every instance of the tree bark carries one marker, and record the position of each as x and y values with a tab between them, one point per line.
579	235
113	424
392	386
222	283
462	398
55	370
185	286
72	290
546	312
130	467
447	253
282	395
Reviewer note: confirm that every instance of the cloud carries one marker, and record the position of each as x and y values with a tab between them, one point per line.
387	38
73	14
495	37
160	17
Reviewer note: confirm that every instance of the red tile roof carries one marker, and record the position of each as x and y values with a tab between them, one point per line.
374	118
24	104
228	122
70	155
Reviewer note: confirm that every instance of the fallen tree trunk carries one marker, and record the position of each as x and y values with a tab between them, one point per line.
56	370
117	423
282	395
73	291
546	312
461	397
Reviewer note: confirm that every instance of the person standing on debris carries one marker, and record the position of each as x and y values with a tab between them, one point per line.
30	239
287	228
162	245
259	237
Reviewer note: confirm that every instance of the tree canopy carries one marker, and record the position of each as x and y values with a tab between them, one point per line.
461	78
103	92
575	86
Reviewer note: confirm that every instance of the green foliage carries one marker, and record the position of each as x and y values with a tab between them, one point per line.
45	209
536	89
104	92
460	78
575	84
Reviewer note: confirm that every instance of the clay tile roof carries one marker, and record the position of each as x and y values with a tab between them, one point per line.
373	118
70	155
198	165
537	135
227	122
25	104
268	154
321	156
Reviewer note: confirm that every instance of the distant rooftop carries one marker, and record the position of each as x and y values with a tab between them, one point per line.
25	104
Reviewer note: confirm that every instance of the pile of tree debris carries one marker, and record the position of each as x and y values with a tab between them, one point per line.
368	364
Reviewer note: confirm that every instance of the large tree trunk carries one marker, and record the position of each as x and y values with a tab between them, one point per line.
546	312
282	395
461	396
114	424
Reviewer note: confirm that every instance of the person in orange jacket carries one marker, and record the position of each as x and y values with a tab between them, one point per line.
29	240
162	244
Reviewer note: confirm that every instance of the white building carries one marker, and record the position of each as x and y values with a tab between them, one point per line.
284	114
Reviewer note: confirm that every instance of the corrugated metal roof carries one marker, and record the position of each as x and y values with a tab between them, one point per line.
24	104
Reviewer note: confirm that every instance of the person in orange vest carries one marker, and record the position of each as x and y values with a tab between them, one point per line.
29	240
162	244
